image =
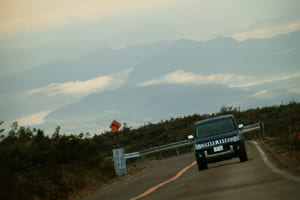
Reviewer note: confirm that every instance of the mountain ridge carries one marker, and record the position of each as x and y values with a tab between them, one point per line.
162	80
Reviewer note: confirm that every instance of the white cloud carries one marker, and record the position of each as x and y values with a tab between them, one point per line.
267	80
83	88
266	31
34	119
258	33
182	77
261	93
294	26
231	80
75	87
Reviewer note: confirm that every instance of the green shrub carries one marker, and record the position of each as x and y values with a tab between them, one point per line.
290	142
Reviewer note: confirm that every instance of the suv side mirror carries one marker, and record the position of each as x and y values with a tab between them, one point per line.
241	126
190	137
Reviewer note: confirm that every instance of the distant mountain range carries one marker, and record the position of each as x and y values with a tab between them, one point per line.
167	79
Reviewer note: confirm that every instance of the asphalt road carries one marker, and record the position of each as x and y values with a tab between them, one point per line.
229	179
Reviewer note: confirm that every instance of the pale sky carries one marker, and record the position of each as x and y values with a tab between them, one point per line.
67	29
100	20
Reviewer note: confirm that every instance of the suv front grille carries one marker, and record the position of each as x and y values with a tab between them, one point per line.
211	150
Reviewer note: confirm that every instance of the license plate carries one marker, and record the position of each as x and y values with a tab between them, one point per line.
218	148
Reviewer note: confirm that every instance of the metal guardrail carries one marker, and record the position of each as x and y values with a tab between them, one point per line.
166	147
252	127
177	145
132	155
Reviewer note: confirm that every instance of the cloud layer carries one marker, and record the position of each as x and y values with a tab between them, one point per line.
83	88
75	87
261	93
268	80
228	79
182	77
34	119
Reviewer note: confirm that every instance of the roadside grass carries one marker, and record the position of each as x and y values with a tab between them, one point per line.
285	149
93	183
287	142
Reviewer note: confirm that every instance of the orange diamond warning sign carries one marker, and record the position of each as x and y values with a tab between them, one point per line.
115	125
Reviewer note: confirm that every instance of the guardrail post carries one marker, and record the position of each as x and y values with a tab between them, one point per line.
177	151
120	162
262	129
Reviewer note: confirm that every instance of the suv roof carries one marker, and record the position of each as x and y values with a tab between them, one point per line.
214	119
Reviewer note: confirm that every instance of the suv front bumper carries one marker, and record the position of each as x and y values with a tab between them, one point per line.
230	152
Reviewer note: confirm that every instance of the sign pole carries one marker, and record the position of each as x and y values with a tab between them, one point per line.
115	126
118	154
117	139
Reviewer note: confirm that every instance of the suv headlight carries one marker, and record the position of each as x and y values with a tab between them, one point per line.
199	146
234	138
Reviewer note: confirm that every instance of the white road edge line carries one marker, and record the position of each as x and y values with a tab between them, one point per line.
273	167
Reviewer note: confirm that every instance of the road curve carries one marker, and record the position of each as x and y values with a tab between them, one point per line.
229	179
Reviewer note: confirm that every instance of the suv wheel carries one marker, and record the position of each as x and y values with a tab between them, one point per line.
201	164
243	155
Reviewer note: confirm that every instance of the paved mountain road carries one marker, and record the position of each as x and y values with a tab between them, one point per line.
222	180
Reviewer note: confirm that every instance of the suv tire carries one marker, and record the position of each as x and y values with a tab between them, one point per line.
202	164
243	155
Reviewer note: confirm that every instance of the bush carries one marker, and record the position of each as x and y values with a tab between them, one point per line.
290	142
34	166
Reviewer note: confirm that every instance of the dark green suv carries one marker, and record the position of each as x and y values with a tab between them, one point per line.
217	139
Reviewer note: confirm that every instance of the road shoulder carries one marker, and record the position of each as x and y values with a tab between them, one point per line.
274	164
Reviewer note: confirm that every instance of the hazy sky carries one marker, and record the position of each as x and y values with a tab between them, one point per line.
36	22
42	31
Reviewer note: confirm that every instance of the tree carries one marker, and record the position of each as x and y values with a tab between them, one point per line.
14	126
1	130
56	133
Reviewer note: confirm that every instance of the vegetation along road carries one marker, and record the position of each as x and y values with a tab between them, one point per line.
178	178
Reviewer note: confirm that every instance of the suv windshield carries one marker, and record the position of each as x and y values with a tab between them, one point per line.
215	127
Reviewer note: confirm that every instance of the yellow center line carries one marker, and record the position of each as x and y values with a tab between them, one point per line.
164	183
